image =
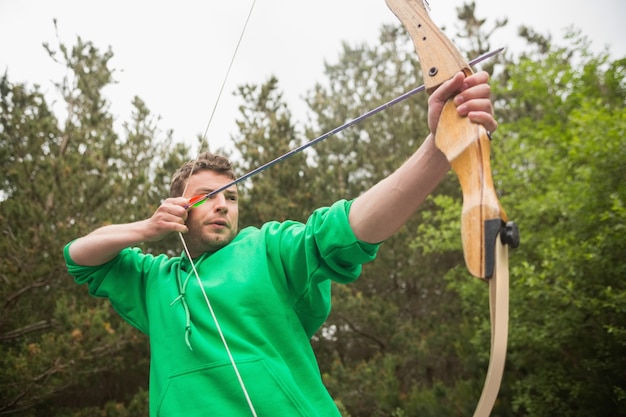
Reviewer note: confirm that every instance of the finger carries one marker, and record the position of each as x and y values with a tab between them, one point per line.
475	79
175	205
177	201
485	119
176	216
475	105
481	91
449	88
178	211
161	224
180	228
168	222
168	215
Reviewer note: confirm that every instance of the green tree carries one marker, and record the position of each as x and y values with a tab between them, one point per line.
266	132
568	355
61	349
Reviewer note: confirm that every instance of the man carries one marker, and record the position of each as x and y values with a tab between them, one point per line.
268	288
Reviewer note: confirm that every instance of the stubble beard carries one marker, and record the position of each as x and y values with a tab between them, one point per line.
201	243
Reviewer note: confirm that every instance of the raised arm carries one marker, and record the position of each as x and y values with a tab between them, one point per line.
383	209
103	244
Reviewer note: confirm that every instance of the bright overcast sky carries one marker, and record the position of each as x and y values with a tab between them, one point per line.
174	54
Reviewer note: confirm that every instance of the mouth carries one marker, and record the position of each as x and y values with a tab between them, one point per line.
218	223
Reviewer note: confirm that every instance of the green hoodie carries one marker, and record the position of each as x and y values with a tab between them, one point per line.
270	291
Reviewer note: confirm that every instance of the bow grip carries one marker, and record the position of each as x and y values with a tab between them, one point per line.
467	147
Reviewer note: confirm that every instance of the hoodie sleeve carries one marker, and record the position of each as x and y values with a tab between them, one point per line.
122	280
314	254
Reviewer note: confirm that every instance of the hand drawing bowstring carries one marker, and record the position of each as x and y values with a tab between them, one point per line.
197	200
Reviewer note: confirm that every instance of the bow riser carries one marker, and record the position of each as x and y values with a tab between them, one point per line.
468	148
465	144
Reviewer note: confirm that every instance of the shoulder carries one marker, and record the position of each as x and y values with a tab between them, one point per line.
336	214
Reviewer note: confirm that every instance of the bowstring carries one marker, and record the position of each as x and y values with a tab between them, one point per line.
242	385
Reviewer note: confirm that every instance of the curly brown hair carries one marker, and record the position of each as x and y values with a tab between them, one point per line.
205	162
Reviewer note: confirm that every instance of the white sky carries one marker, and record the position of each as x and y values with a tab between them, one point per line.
174	54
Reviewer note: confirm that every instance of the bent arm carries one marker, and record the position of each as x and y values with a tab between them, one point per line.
383	209
105	243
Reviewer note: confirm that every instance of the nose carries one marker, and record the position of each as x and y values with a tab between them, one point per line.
219	203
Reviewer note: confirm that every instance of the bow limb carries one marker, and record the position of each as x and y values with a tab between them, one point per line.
439	58
484	227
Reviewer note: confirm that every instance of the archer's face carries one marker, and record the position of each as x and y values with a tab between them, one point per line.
212	224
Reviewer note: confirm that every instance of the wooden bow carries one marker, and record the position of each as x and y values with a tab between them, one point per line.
467	147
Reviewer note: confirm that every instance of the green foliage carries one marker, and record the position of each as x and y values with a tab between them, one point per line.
266	133
60	180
